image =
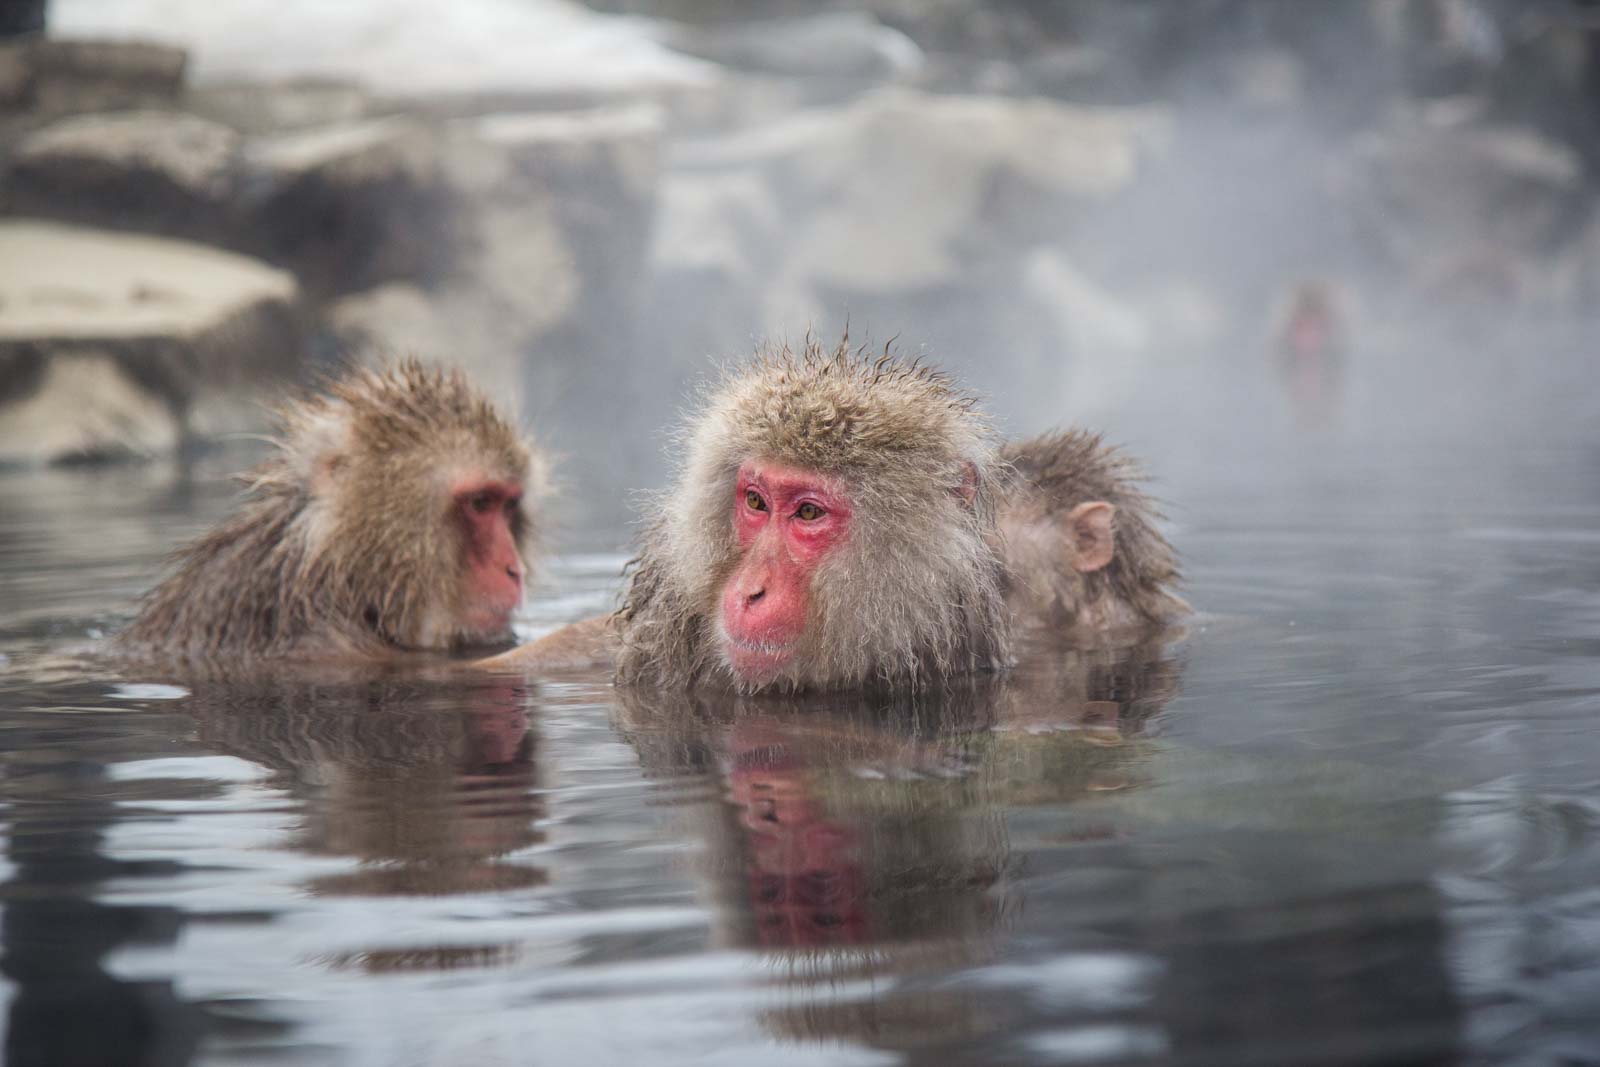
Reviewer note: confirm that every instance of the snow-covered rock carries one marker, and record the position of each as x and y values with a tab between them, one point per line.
401	48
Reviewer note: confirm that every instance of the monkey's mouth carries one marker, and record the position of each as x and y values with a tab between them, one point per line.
486	622
753	657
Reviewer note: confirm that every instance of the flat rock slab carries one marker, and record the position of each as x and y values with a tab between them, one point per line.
112	344
159	171
48	75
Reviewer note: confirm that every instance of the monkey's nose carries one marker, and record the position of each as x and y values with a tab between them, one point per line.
751	598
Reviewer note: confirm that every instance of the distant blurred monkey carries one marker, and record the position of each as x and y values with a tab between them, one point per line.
1309	348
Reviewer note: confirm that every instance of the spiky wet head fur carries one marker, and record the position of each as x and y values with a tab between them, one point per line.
914	591
1054	473
345	542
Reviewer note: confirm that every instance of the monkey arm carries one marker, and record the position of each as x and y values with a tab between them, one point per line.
590	643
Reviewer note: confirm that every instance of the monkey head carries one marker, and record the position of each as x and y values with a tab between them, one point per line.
1083	555
395	515
830	528
418	494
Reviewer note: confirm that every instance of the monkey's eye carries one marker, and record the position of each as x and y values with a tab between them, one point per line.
808	512
512	504
481	503
753	501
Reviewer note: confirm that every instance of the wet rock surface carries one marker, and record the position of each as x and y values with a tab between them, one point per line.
150	171
353	205
60	76
411	49
114	345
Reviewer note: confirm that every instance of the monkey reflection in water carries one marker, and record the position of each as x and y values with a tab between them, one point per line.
430	784
865	838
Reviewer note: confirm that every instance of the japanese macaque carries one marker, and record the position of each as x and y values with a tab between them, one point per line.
1078	537
842	521
394	517
1309	348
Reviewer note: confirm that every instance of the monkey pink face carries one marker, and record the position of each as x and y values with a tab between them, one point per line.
786	522
491	515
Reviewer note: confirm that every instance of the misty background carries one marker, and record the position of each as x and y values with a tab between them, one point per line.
1102	212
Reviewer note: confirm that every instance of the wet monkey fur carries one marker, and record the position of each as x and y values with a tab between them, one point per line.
395	516
844	520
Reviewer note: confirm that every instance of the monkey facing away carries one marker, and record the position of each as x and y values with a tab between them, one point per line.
1081	549
841	521
395	516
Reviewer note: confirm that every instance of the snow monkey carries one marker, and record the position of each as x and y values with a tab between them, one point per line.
1311	347
394	517
842	521
1081	549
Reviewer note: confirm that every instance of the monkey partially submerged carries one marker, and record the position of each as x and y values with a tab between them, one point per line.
1082	552
394	517
843	521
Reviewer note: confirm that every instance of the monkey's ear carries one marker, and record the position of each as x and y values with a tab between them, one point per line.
322	444
325	470
968	489
1089	526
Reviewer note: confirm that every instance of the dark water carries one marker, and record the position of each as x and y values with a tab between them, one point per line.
1354	817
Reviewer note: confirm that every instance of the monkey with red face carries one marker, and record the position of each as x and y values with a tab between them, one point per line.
1310	347
395	517
831	528
846	522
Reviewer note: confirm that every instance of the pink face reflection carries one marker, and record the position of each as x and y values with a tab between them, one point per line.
805	880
